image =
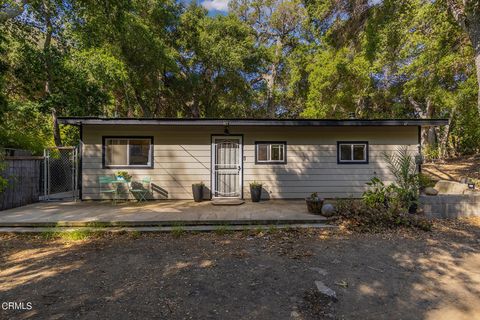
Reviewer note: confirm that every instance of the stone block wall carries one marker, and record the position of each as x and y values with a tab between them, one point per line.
450	205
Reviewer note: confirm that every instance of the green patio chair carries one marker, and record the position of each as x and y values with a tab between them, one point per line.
108	187
140	189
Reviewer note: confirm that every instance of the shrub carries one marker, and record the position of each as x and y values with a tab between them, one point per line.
431	152
255	184
402	166
357	215
378	194
474	181
314	197
222	230
70	235
425	181
385	206
3	180
124	175
178	231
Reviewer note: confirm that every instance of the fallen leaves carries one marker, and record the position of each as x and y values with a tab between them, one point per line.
206	264
342	283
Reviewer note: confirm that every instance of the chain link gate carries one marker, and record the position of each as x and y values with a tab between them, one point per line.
60	173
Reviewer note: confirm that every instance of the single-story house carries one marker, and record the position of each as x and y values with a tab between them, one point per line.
291	158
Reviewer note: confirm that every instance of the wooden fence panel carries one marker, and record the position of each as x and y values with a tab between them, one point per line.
23	174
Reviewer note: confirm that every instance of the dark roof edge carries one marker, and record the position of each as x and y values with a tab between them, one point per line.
251	122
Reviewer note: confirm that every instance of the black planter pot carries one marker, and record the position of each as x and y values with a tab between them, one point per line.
413	208
197	190
256	193
314	206
413	205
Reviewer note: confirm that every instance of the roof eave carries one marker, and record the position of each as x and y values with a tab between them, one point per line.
250	122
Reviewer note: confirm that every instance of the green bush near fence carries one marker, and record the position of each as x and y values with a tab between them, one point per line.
3	180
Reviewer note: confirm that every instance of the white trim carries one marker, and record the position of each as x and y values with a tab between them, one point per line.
240	164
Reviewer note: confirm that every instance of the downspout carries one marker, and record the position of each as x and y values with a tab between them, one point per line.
420	156
80	165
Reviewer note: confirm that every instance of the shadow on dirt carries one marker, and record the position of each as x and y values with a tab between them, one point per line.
266	274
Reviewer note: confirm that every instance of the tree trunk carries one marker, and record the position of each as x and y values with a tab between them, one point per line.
473	30
476	46
272	79
195	108
429	135
47	53
429	132
48	70
467	15
56	129
145	109
442	146
443	143
130	110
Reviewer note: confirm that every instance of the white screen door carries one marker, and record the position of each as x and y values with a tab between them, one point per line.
227	166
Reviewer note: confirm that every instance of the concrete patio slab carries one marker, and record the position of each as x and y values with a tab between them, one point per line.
197	228
157	213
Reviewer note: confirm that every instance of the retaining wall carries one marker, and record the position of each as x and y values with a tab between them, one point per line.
451	205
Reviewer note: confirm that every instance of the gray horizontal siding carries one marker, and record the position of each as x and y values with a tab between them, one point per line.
182	157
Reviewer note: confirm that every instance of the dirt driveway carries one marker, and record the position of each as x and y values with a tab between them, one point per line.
261	275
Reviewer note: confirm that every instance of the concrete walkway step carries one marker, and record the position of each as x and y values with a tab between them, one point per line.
227	202
164	223
199	228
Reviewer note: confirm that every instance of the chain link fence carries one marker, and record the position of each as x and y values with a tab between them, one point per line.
60	173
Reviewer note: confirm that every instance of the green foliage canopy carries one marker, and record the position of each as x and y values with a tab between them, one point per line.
265	58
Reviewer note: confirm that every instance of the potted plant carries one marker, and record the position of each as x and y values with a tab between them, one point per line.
408	198
256	191
412	209
314	203
123	175
412	202
197	190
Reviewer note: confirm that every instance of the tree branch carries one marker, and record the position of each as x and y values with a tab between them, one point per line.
458	13
11	9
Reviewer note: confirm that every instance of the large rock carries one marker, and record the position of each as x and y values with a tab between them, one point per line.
326	291
450	187
328	210
430	191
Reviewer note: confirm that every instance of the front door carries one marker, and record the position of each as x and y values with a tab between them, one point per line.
227	166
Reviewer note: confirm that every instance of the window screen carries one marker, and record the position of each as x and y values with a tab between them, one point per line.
124	152
270	152
352	152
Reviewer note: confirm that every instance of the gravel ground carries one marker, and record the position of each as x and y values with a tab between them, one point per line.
246	275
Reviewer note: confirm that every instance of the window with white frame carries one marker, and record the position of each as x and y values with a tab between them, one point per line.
128	152
352	152
270	152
